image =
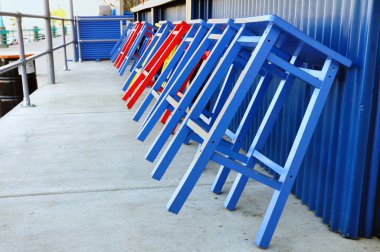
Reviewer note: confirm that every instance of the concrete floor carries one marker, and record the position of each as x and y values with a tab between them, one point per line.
73	178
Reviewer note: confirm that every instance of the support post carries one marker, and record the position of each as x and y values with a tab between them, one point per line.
49	42
152	10
78	41
64	43
22	68
121	8
71	16
189	9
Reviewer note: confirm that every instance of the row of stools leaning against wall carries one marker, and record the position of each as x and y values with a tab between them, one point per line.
199	74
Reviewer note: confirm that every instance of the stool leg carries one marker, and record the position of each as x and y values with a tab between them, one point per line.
237	188
190	179
220	180
132	50
225	91
218	49
144	105
220	126
155	116
169	154
216	77
296	155
264	130
178	113
128	81
199	44
243	128
172	65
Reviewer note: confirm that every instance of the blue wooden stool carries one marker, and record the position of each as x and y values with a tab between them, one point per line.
144	35
142	48
216	41
276	44
158	38
236	56
175	66
120	42
153	67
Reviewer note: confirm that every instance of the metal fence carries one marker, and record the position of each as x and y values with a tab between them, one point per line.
96	36
10	37
21	63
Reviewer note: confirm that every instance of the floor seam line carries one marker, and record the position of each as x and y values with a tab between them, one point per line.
94	191
72	113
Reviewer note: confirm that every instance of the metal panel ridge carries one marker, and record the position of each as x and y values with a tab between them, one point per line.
339	178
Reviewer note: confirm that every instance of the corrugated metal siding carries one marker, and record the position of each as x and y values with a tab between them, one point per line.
98	29
339	177
175	13
172	12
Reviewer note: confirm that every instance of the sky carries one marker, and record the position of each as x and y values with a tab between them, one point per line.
81	8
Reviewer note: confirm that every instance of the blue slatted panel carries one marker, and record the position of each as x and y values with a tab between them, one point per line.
96	50
98	29
340	175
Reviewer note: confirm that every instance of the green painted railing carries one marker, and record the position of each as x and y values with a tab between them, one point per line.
9	37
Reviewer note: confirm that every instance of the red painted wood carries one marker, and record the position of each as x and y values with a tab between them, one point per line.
124	51
154	65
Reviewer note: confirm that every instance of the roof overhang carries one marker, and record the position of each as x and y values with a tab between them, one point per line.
150	4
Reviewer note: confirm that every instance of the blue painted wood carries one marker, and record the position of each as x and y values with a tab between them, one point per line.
178	77
340	155
242	169
141	37
265	128
210	137
224	93
97	29
216	78
120	42
185	50
295	156
313	48
221	70
243	129
217	49
160	36
115	55
221	124
141	50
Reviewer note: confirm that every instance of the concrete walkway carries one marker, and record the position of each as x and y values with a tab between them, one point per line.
73	178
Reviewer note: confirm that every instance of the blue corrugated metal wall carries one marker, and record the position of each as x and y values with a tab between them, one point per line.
340	176
97	29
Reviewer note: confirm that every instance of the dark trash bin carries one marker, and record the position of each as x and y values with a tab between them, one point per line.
11	92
